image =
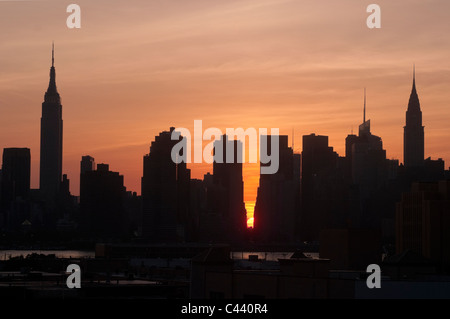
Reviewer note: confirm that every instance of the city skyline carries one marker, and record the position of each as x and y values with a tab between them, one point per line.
269	92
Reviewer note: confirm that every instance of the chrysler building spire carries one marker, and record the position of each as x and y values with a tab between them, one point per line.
413	139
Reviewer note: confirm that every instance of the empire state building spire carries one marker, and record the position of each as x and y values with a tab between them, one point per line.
52	94
413	138
51	138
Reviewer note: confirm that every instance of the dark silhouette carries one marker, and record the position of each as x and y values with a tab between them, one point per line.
413	143
229	186
318	196
165	192
354	208
15	187
102	196
423	220
51	141
277	204
321	186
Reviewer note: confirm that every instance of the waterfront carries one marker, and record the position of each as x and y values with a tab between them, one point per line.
6	254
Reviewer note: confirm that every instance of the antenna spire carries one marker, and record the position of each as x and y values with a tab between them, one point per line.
53	53
364	114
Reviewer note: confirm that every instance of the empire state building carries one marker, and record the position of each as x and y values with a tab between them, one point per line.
51	139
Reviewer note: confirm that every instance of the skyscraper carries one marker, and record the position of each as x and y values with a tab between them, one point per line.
102	196
369	175
87	164
16	173
320	185
367	158
228	177
277	202
165	192
413	138
15	188
51	139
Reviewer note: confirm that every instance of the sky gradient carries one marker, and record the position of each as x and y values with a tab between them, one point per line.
138	67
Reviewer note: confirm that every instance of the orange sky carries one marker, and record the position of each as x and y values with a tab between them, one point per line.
137	67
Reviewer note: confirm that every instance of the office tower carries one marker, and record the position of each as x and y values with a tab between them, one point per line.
277	202
15	188
87	164
16	173
229	185
321	185
206	198
165	192
102	196
51	140
370	173
413	138
369	168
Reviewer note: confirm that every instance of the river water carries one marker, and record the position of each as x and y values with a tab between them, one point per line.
6	254
269	256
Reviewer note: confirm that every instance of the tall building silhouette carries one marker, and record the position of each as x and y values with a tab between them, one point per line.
228	176
87	164
371	177
165	192
367	158
51	139
318	167
277	202
413	138
15	186
16	173
102	195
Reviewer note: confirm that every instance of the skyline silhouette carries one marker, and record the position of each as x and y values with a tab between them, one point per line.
364	164
357	118
300	67
48	125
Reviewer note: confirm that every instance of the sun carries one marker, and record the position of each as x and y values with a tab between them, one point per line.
250	222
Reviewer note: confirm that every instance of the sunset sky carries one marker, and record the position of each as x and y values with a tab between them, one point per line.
138	67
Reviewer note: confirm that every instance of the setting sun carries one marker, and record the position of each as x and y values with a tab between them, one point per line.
250	222
250	207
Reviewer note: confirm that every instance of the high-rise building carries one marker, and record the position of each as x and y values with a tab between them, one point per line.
413	138
16	173
51	140
165	192
102	195
87	164
318	184
15	188
277	203
228	177
370	173
369	168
